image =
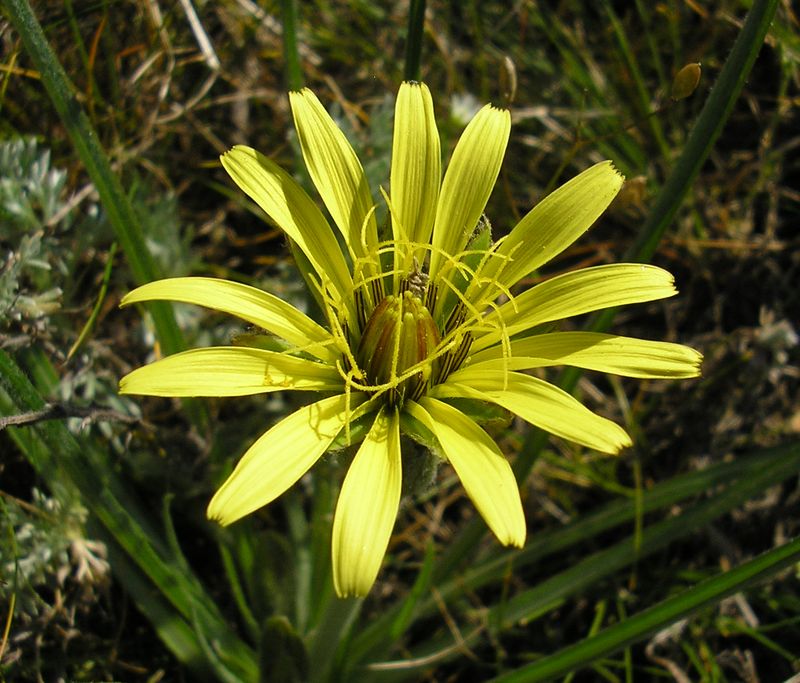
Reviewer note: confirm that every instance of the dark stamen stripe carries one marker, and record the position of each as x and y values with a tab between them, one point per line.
452	360
430	295
417	389
463	351
361	308
444	368
456	317
376	286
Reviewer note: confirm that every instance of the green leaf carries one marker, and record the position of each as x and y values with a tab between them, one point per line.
649	621
451	580
86	142
283	657
64	461
579	577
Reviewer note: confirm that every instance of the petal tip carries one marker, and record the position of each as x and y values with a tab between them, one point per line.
619	174
347	592
215	512
237	151
696	363
615	442
516	536
303	93
625	441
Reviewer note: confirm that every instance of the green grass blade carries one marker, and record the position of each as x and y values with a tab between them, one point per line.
579	577
333	629
378	636
707	128
174	631
85	139
643	624
63	461
642	94
98	305
701	139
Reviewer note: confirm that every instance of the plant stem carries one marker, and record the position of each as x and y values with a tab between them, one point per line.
701	139
416	29
120	212
291	55
659	616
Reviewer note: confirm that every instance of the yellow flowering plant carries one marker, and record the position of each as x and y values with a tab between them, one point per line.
417	325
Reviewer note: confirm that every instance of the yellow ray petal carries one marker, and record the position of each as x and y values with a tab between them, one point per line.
367	508
468	181
229	371
483	470
248	303
580	291
287	204
281	456
543	405
336	171
589	350
555	223
416	166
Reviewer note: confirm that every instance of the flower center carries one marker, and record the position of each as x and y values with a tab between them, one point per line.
397	347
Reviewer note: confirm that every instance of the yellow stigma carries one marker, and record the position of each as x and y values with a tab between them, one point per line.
399	335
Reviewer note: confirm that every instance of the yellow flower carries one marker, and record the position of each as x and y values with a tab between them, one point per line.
413	321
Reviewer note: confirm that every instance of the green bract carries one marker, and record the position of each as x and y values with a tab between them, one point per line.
411	323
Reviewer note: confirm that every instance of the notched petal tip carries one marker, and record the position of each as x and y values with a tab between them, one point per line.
303	93
690	358
624	441
515	542
499	109
620	175
216	513
236	150
693	365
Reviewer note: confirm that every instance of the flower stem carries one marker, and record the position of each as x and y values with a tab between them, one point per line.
701	139
707	128
657	617
291	55
116	203
416	28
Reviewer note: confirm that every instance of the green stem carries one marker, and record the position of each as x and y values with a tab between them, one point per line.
375	638
63	460
291	55
85	139
701	139
659	616
416	29
578	578
707	128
